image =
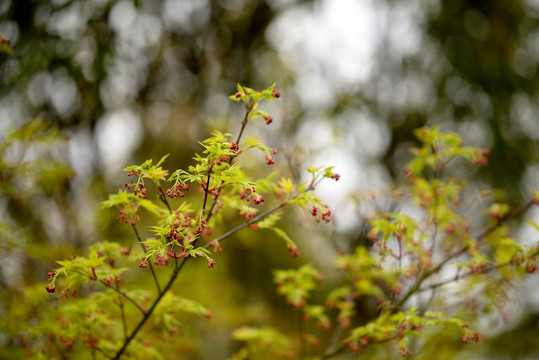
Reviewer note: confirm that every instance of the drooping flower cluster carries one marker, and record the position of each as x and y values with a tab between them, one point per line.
129	214
176	190
325	215
253	196
139	189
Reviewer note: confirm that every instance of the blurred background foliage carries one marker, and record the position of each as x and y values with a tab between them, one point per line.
116	82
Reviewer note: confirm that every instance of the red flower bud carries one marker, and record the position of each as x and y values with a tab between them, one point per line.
269	160
268	119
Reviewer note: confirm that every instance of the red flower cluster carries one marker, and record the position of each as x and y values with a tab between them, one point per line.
65	293
110	280
204	229
176	190
139	187
68	343
404	351
478	268
268	119
216	246
466	338
160	260
256	198
353	347
482	158
140	191
247	213
129	214
326	214
269	160
293	251
234	147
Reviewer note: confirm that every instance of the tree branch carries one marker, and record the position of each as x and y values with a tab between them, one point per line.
163	198
148	314
468	274
244	225
206	190
417	285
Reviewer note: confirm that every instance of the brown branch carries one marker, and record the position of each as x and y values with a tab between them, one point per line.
163	198
206	190
244	225
148	314
243	124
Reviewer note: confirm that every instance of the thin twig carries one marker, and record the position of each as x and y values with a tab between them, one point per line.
163	198
243	124
129	298
149	263
468	274
206	190
122	314
244	225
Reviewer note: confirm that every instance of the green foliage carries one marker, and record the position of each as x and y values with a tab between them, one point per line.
408	255
296	284
179	232
259	341
118	302
27	161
